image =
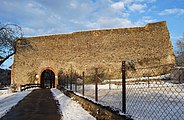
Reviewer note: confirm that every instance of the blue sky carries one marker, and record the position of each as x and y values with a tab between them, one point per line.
44	17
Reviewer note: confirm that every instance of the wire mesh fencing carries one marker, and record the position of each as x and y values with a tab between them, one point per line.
94	85
155	93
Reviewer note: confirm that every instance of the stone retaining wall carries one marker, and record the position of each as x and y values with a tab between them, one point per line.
97	110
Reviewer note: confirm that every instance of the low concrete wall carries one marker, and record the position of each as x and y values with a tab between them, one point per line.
97	110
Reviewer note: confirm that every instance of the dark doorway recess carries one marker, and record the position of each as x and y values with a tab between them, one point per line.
47	79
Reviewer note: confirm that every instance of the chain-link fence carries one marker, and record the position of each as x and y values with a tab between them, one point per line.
94	84
155	93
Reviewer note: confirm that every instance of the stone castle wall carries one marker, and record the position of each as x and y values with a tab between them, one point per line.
82	51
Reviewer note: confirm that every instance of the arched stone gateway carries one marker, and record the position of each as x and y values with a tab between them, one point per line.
47	79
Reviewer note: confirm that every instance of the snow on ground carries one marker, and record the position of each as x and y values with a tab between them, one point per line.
5	92
164	103
157	100
8	100
71	110
141	78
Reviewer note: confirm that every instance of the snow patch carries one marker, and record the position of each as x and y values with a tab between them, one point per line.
8	100
141	78
70	109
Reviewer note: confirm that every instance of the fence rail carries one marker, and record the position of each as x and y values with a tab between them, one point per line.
28	86
155	92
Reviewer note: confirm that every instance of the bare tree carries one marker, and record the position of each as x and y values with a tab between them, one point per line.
180	50
8	35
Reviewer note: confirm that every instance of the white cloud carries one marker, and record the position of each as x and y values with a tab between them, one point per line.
104	23
118	6
74	4
144	20
93	25
138	7
151	1
63	16
172	11
28	30
148	1
138	1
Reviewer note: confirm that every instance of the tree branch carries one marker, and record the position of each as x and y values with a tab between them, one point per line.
8	35
2	61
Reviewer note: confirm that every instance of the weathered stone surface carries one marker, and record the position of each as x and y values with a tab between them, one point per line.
147	46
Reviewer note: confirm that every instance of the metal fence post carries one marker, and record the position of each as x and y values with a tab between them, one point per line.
96	84
75	78
123	87
67	78
71	78
83	83
64	82
148	82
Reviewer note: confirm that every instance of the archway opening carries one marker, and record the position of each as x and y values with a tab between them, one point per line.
47	79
